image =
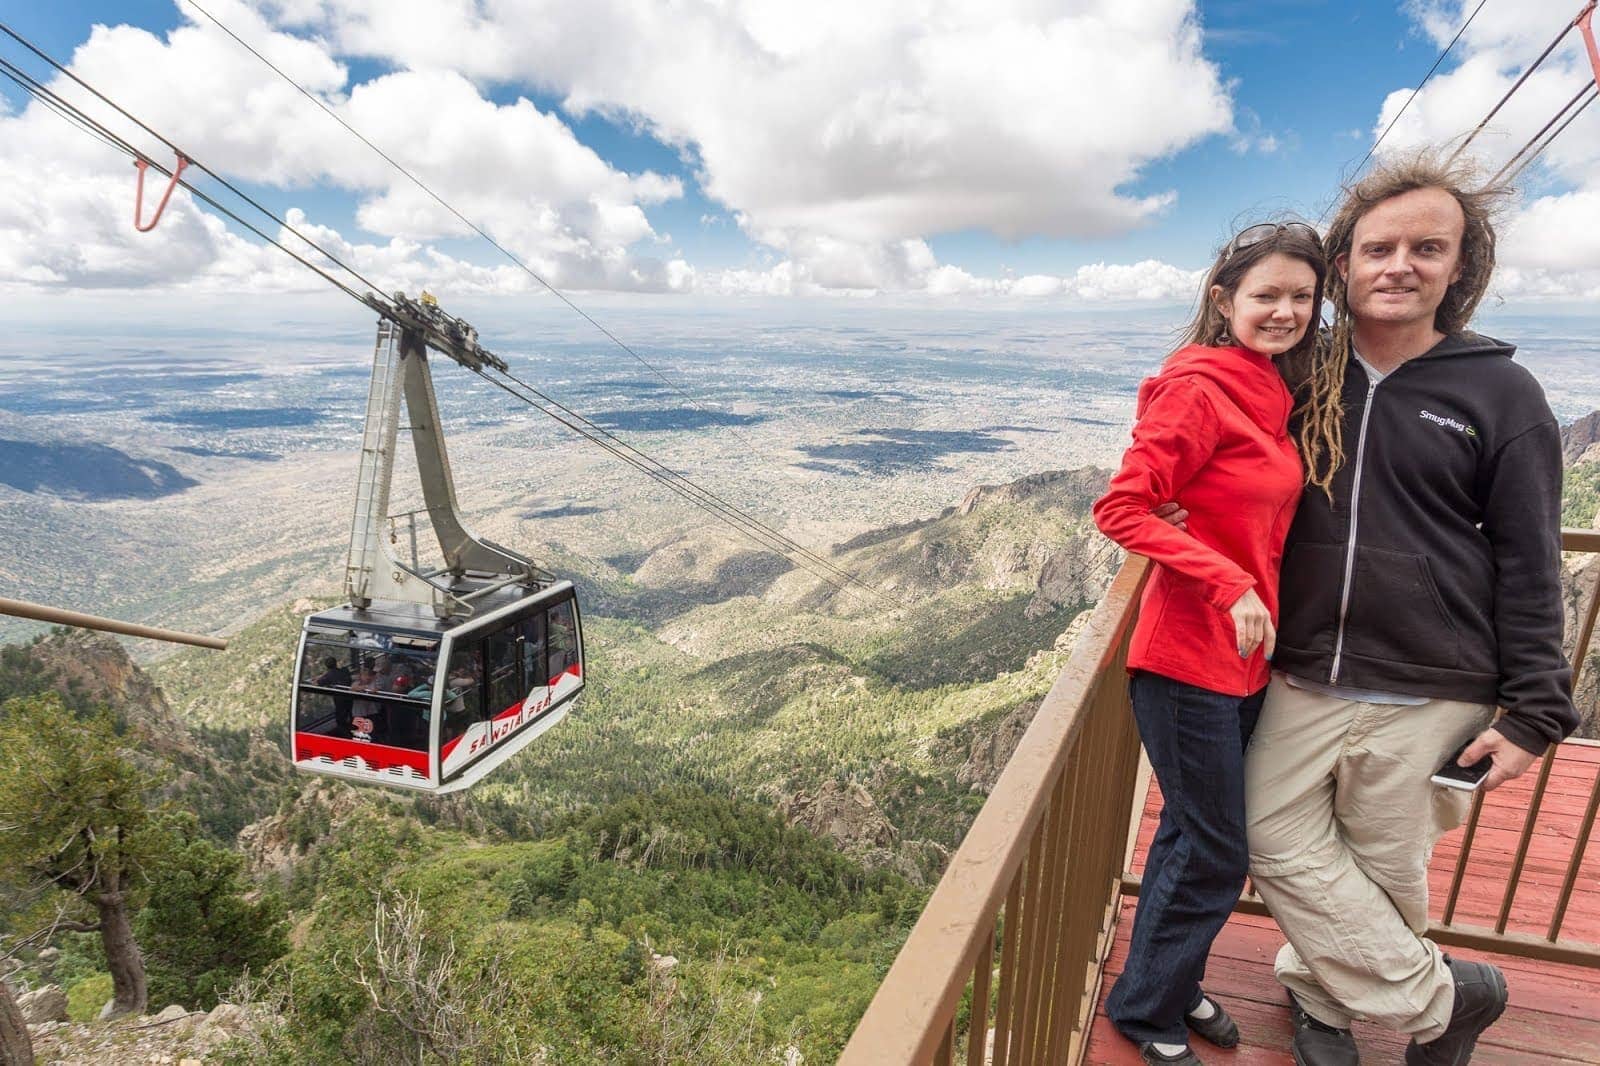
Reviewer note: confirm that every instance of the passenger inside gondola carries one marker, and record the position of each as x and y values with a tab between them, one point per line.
336	676
366	710
561	642
463	701
368	687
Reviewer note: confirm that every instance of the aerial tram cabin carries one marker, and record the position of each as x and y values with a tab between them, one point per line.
429	679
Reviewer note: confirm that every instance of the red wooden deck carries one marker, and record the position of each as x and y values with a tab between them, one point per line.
1554	1015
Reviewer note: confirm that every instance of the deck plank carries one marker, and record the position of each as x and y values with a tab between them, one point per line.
1554	1016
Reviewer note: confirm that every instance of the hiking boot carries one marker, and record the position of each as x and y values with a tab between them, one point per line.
1480	999
1219	1029
1318	1043
1148	1052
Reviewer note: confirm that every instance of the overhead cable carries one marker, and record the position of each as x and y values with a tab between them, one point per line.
92	126
1528	152
442	202
1418	89
713	501
197	164
1526	74
475	227
676	485
766	536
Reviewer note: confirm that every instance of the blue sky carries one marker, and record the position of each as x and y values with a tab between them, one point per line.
1306	81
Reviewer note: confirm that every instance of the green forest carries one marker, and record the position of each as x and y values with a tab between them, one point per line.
629	889
636	887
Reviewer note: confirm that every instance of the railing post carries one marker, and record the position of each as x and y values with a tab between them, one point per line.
1044	847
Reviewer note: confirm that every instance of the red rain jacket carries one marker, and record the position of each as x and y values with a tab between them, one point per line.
1212	432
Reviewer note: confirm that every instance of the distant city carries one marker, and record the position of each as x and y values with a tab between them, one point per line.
181	476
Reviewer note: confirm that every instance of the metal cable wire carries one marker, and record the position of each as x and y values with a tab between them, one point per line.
1495	110
463	219
1418	89
511	387
442	202
712	498
93	127
1514	167
197	164
56	109
706	500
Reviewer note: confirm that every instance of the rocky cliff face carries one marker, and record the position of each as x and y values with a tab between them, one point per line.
1578	438
93	668
227	777
1000	537
1580	444
1074	490
273	845
1076	573
844	813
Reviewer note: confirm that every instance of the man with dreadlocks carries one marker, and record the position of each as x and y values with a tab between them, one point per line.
1420	589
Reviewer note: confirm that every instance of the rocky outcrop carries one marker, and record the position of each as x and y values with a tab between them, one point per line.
707	567
1578	585
93	669
1075	574
47	1004
991	749
175	1035
991	746
1579	438
273	845
1072	489
843	812
1000	537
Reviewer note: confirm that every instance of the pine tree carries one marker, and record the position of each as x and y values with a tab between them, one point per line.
76	818
200	930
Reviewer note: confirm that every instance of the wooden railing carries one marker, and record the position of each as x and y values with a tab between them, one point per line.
1039	871
1551	946
1040	876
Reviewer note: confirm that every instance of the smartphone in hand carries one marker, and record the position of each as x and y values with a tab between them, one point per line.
1465	778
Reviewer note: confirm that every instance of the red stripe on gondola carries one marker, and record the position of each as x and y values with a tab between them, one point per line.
510	712
377	756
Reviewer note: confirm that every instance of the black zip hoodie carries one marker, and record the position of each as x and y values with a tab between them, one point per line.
1436	569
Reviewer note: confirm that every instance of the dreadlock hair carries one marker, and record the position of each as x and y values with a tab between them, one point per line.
1317	377
1210	328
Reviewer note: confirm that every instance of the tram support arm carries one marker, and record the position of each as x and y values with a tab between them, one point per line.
40	613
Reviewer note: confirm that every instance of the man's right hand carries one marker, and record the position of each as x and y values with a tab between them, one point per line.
1174	514
1252	625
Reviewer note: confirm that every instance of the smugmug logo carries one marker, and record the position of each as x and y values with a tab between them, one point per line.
1448	423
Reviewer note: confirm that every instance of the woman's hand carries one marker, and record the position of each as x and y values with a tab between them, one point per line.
1252	625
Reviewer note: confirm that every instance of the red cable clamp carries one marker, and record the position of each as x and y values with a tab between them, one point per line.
1584	27
138	195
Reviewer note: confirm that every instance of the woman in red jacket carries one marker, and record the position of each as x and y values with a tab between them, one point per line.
1212	432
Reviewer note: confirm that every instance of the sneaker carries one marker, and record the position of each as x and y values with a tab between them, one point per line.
1219	1029
1318	1043
1154	1057
1480	999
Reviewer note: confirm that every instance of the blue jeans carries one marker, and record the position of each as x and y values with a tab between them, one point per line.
1198	859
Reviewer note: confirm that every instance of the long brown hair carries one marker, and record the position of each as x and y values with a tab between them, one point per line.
1318	378
1210	328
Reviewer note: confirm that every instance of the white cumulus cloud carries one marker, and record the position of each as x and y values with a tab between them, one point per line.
535	187
1550	245
843	135
839	137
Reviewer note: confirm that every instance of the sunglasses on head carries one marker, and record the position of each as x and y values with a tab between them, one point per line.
1265	232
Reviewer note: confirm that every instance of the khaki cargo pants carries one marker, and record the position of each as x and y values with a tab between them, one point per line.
1342	819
